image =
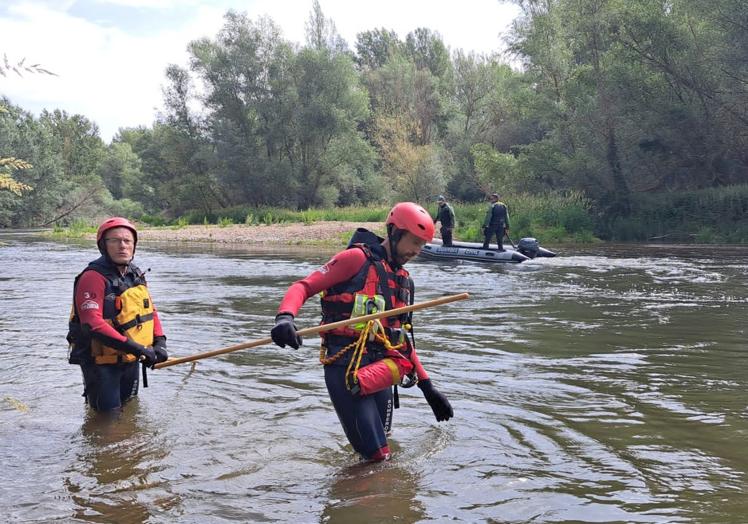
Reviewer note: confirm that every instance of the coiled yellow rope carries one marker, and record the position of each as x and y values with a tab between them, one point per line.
373	330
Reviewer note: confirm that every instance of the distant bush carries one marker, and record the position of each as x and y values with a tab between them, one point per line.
711	215
76	229
154	220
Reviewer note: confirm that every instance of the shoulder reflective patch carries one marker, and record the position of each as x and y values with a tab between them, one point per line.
89	304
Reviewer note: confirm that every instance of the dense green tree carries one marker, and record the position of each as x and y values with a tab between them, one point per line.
331	103
612	98
376	47
8	165
121	172
64	151
426	50
635	96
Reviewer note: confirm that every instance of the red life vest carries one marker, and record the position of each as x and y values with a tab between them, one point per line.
374	285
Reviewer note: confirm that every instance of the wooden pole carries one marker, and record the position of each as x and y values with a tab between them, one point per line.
317	329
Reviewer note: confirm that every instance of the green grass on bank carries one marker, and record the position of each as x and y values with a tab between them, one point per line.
254	216
77	229
707	216
717	215
549	218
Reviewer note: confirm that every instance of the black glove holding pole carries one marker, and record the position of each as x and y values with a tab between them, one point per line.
439	404
145	354
284	332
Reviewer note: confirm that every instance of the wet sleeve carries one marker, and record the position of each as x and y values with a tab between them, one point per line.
420	370
89	302
339	268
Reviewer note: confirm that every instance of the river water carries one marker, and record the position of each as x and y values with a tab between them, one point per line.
609	384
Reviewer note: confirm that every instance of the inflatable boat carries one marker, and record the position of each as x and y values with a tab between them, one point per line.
526	249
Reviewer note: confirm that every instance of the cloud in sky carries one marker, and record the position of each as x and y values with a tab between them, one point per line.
110	55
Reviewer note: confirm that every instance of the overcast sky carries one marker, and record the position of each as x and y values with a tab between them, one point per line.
110	55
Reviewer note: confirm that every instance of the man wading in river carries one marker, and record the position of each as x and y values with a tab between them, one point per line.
363	361
113	322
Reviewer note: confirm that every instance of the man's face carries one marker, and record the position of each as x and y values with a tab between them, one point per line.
120	245
441	203
408	247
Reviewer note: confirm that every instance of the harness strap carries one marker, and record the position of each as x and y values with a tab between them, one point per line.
139	319
384	284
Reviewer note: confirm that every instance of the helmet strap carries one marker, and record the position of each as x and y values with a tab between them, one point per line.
393	237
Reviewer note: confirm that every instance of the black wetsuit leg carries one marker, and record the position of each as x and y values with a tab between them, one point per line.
108	386
129	381
365	420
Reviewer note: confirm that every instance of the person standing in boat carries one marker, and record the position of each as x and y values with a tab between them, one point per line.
496	222
445	215
113	322
362	362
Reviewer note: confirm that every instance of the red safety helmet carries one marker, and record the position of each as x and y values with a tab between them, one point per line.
111	223
413	218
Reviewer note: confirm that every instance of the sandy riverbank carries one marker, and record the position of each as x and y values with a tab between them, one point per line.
316	233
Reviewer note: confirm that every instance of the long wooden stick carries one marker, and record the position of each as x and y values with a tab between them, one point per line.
317	329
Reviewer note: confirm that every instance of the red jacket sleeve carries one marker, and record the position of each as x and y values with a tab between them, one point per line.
89	302
158	331
420	370
339	268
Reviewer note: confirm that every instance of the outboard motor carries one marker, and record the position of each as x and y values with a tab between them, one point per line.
528	246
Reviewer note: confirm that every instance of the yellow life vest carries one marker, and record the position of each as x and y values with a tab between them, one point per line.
134	320
128	308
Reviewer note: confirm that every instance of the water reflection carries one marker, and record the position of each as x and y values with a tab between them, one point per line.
383	492
116	461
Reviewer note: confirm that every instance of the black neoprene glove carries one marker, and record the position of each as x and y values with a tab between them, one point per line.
438	402
284	331
143	353
146	355
159	347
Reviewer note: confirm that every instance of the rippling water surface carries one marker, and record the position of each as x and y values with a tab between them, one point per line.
606	385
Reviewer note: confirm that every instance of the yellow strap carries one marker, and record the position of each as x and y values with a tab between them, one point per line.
393	370
358	354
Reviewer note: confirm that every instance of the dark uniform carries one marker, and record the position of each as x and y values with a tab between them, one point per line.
446	216
496	223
